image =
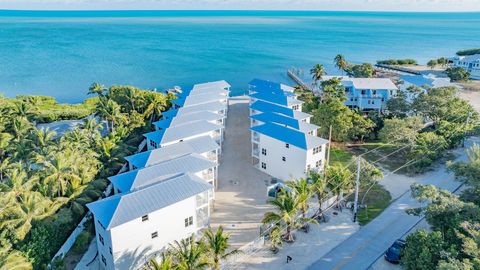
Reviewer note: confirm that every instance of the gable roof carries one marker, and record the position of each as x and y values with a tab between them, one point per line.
189	117
191	100
181	132
122	208
140	178
197	145
372	83
214	106
277	98
289	135
269	117
222	84
263	106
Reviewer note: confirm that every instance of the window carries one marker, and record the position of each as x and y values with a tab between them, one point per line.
264	151
363	92
317	150
287	145
373	101
154	235
104	260
145	218
318	164
110	250
351	99
153	144
264	165
284	159
188	221
308	167
295	107
101	239
374	92
369	101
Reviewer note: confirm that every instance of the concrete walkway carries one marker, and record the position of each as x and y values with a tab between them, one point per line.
363	248
241	197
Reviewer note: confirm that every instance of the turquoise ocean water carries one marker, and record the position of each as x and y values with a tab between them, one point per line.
62	53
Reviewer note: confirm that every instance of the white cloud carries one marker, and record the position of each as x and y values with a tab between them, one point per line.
373	5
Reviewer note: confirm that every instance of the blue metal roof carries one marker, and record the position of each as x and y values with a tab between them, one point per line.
179	101
259	85
170	113
283	134
274	97
155	136
417	80
270	107
163	124
269	117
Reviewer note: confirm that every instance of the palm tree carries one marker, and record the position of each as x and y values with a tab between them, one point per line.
59	169
4	165
11	259
340	62
189	255
16	183
5	139
319	188
217	245
339	179
303	192
317	72
133	96
30	207
287	208
97	89
156	104
20	127
22	109
110	111
166	264
275	237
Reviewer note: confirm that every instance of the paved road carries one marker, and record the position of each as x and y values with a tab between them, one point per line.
363	248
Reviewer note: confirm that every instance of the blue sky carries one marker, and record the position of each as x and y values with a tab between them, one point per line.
360	5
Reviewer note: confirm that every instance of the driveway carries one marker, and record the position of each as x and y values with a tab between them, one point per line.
241	197
362	249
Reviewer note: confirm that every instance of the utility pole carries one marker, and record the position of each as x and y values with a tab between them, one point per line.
357	183
466	126
329	143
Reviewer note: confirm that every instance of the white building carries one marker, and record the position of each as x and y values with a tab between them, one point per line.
470	62
168	192
184	132
204	146
286	153
133	227
211	117
284	143
194	164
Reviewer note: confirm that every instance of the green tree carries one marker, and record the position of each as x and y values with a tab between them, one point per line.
30	207
428	148
11	259
340	62
216	243
97	89
165	264
364	70
303	192
398	107
362	127
317	72
339	180
319	188
401	131
334	114
432	63
422	251
458	74
189	254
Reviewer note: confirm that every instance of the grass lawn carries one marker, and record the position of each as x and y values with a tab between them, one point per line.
395	157
377	199
340	156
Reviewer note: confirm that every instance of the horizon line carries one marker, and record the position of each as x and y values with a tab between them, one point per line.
253	10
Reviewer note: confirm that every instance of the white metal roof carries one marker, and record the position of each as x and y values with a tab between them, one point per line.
195	116
198	145
216	84
141	178
121	208
214	106
372	83
187	130
204	98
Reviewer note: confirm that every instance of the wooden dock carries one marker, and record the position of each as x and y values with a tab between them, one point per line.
292	73
398	69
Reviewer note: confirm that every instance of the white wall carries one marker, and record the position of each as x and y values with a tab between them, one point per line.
313	158
293	167
132	243
104	249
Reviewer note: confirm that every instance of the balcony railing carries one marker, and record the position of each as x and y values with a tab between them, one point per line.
256	137
256	152
208	176
212	156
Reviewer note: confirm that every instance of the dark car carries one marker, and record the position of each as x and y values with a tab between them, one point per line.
394	252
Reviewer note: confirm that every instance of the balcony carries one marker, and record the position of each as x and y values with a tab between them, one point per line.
208	176
256	137
212	156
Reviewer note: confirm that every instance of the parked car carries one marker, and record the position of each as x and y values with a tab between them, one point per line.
394	252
